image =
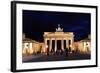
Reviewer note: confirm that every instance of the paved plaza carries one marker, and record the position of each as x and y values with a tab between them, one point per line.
56	57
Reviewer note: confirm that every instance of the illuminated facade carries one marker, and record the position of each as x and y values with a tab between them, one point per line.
30	47
83	46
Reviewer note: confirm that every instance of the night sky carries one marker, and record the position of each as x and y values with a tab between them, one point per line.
35	23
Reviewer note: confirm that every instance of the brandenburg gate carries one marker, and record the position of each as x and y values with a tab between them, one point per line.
59	35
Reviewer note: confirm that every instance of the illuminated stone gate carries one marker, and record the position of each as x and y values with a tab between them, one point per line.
59	35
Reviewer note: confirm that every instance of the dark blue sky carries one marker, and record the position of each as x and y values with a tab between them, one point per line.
37	22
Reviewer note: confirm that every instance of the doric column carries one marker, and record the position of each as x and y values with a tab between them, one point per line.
50	45
71	44
67	43
84	49
31	50
55	45
62	44
45	42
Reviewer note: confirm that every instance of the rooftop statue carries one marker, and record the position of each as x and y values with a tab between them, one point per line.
59	29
